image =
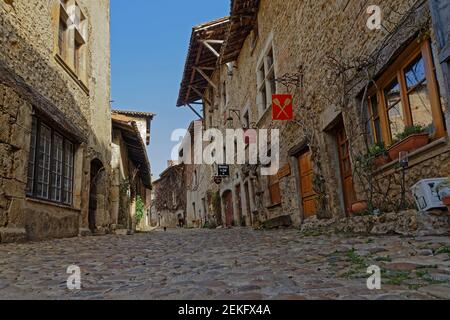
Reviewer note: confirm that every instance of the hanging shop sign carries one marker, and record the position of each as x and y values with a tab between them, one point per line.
282	107
217	180
223	170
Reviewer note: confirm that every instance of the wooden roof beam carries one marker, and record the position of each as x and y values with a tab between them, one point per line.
207	44
206	77
201	95
197	59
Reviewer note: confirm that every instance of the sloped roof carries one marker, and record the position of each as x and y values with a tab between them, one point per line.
138	114
243	18
136	148
199	56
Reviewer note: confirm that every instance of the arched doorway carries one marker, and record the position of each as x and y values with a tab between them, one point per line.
95	193
228	206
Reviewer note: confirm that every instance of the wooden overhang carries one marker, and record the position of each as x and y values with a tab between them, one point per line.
202	59
124	114
43	106
243	18
136	149
137	114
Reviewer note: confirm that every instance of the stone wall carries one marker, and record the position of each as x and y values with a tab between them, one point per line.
405	223
170	196
317	31
32	80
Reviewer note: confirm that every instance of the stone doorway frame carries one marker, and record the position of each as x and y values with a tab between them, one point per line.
96	192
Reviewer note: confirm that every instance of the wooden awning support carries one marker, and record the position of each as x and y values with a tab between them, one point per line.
201	94
205	76
195	111
207	44
202	60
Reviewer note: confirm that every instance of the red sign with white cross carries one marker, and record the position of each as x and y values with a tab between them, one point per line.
282	107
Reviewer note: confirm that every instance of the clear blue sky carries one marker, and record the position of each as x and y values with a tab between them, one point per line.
149	43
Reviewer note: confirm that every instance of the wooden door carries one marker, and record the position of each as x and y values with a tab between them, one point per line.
239	205
346	168
229	213
307	193
247	201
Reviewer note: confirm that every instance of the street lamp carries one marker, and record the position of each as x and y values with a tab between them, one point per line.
403	159
230	119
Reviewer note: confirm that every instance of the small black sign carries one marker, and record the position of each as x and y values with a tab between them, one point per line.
224	170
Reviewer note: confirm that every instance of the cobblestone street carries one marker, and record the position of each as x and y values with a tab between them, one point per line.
227	264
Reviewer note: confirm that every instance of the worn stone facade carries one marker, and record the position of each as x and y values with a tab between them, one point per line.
305	43
170	196
34	80
131	173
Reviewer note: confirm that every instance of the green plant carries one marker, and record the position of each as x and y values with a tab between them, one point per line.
409	131
355	258
444	250
398	278
383	259
140	209
124	190
376	150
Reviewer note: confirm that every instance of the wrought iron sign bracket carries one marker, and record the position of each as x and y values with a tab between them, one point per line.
292	80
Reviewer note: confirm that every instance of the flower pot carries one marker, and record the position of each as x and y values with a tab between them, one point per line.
359	207
446	201
409	144
381	160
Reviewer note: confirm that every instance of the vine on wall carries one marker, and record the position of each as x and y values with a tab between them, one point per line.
173	183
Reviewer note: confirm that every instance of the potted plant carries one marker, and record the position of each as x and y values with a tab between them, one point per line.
379	155
411	139
359	207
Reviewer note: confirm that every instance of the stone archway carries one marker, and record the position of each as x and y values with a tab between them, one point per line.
97	194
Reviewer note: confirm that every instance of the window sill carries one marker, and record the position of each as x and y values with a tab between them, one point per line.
53	204
413	156
72	73
274	206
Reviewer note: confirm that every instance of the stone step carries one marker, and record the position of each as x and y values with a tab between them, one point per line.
13	235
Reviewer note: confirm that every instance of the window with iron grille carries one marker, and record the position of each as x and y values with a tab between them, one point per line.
50	165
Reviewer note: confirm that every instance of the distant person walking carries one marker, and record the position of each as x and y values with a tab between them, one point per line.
180	220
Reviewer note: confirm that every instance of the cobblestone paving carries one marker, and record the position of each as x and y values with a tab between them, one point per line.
227	264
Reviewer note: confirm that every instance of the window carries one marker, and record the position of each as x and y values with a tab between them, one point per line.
50	165
63	37
79	55
274	190
373	121
72	35
266	81
406	95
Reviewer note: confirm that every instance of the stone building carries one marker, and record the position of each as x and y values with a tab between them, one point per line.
170	196
55	141
353	85
131	171
200	191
